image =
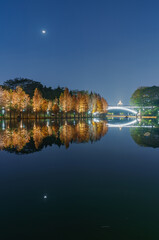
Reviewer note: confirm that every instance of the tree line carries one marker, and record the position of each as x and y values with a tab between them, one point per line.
17	101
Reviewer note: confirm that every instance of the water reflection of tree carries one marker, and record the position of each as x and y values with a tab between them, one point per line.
98	130
14	138
146	137
26	137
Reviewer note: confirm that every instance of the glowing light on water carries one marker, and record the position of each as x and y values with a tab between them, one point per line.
96	120
122	125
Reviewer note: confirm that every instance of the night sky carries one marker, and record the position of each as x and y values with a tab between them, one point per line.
107	46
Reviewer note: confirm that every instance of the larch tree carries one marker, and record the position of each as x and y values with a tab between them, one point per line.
55	107
82	103
90	103
105	105
7	96
44	106
49	107
74	104
65	101
77	105
37	101
99	105
20	100
94	103
1	97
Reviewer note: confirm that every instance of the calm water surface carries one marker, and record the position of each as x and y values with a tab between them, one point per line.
79	180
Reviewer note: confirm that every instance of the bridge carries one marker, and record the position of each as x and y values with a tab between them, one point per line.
128	108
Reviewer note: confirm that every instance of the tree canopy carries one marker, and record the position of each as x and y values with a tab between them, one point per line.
145	96
29	87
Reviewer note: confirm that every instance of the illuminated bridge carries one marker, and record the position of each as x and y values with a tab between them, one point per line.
131	109
122	108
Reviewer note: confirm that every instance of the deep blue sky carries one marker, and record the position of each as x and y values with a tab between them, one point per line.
107	46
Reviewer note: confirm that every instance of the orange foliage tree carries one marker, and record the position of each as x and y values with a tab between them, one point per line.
1	97
99	105
20	100
65	101
37	101
82	103
105	105
55	107
8	103
44	106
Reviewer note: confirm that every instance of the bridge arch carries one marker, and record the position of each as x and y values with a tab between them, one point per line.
122	125
122	108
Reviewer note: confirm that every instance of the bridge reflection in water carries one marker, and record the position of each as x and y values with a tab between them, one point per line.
30	136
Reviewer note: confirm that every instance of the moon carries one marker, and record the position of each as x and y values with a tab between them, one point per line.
43	31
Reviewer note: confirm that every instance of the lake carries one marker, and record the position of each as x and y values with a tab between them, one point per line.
79	179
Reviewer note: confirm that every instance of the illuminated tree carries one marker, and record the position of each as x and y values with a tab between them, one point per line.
99	105
65	101
20	100
44	106
1	97
7	96
77	104
37	101
49	108
82	103
105	105
73	103
90	103
55	107
94	103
